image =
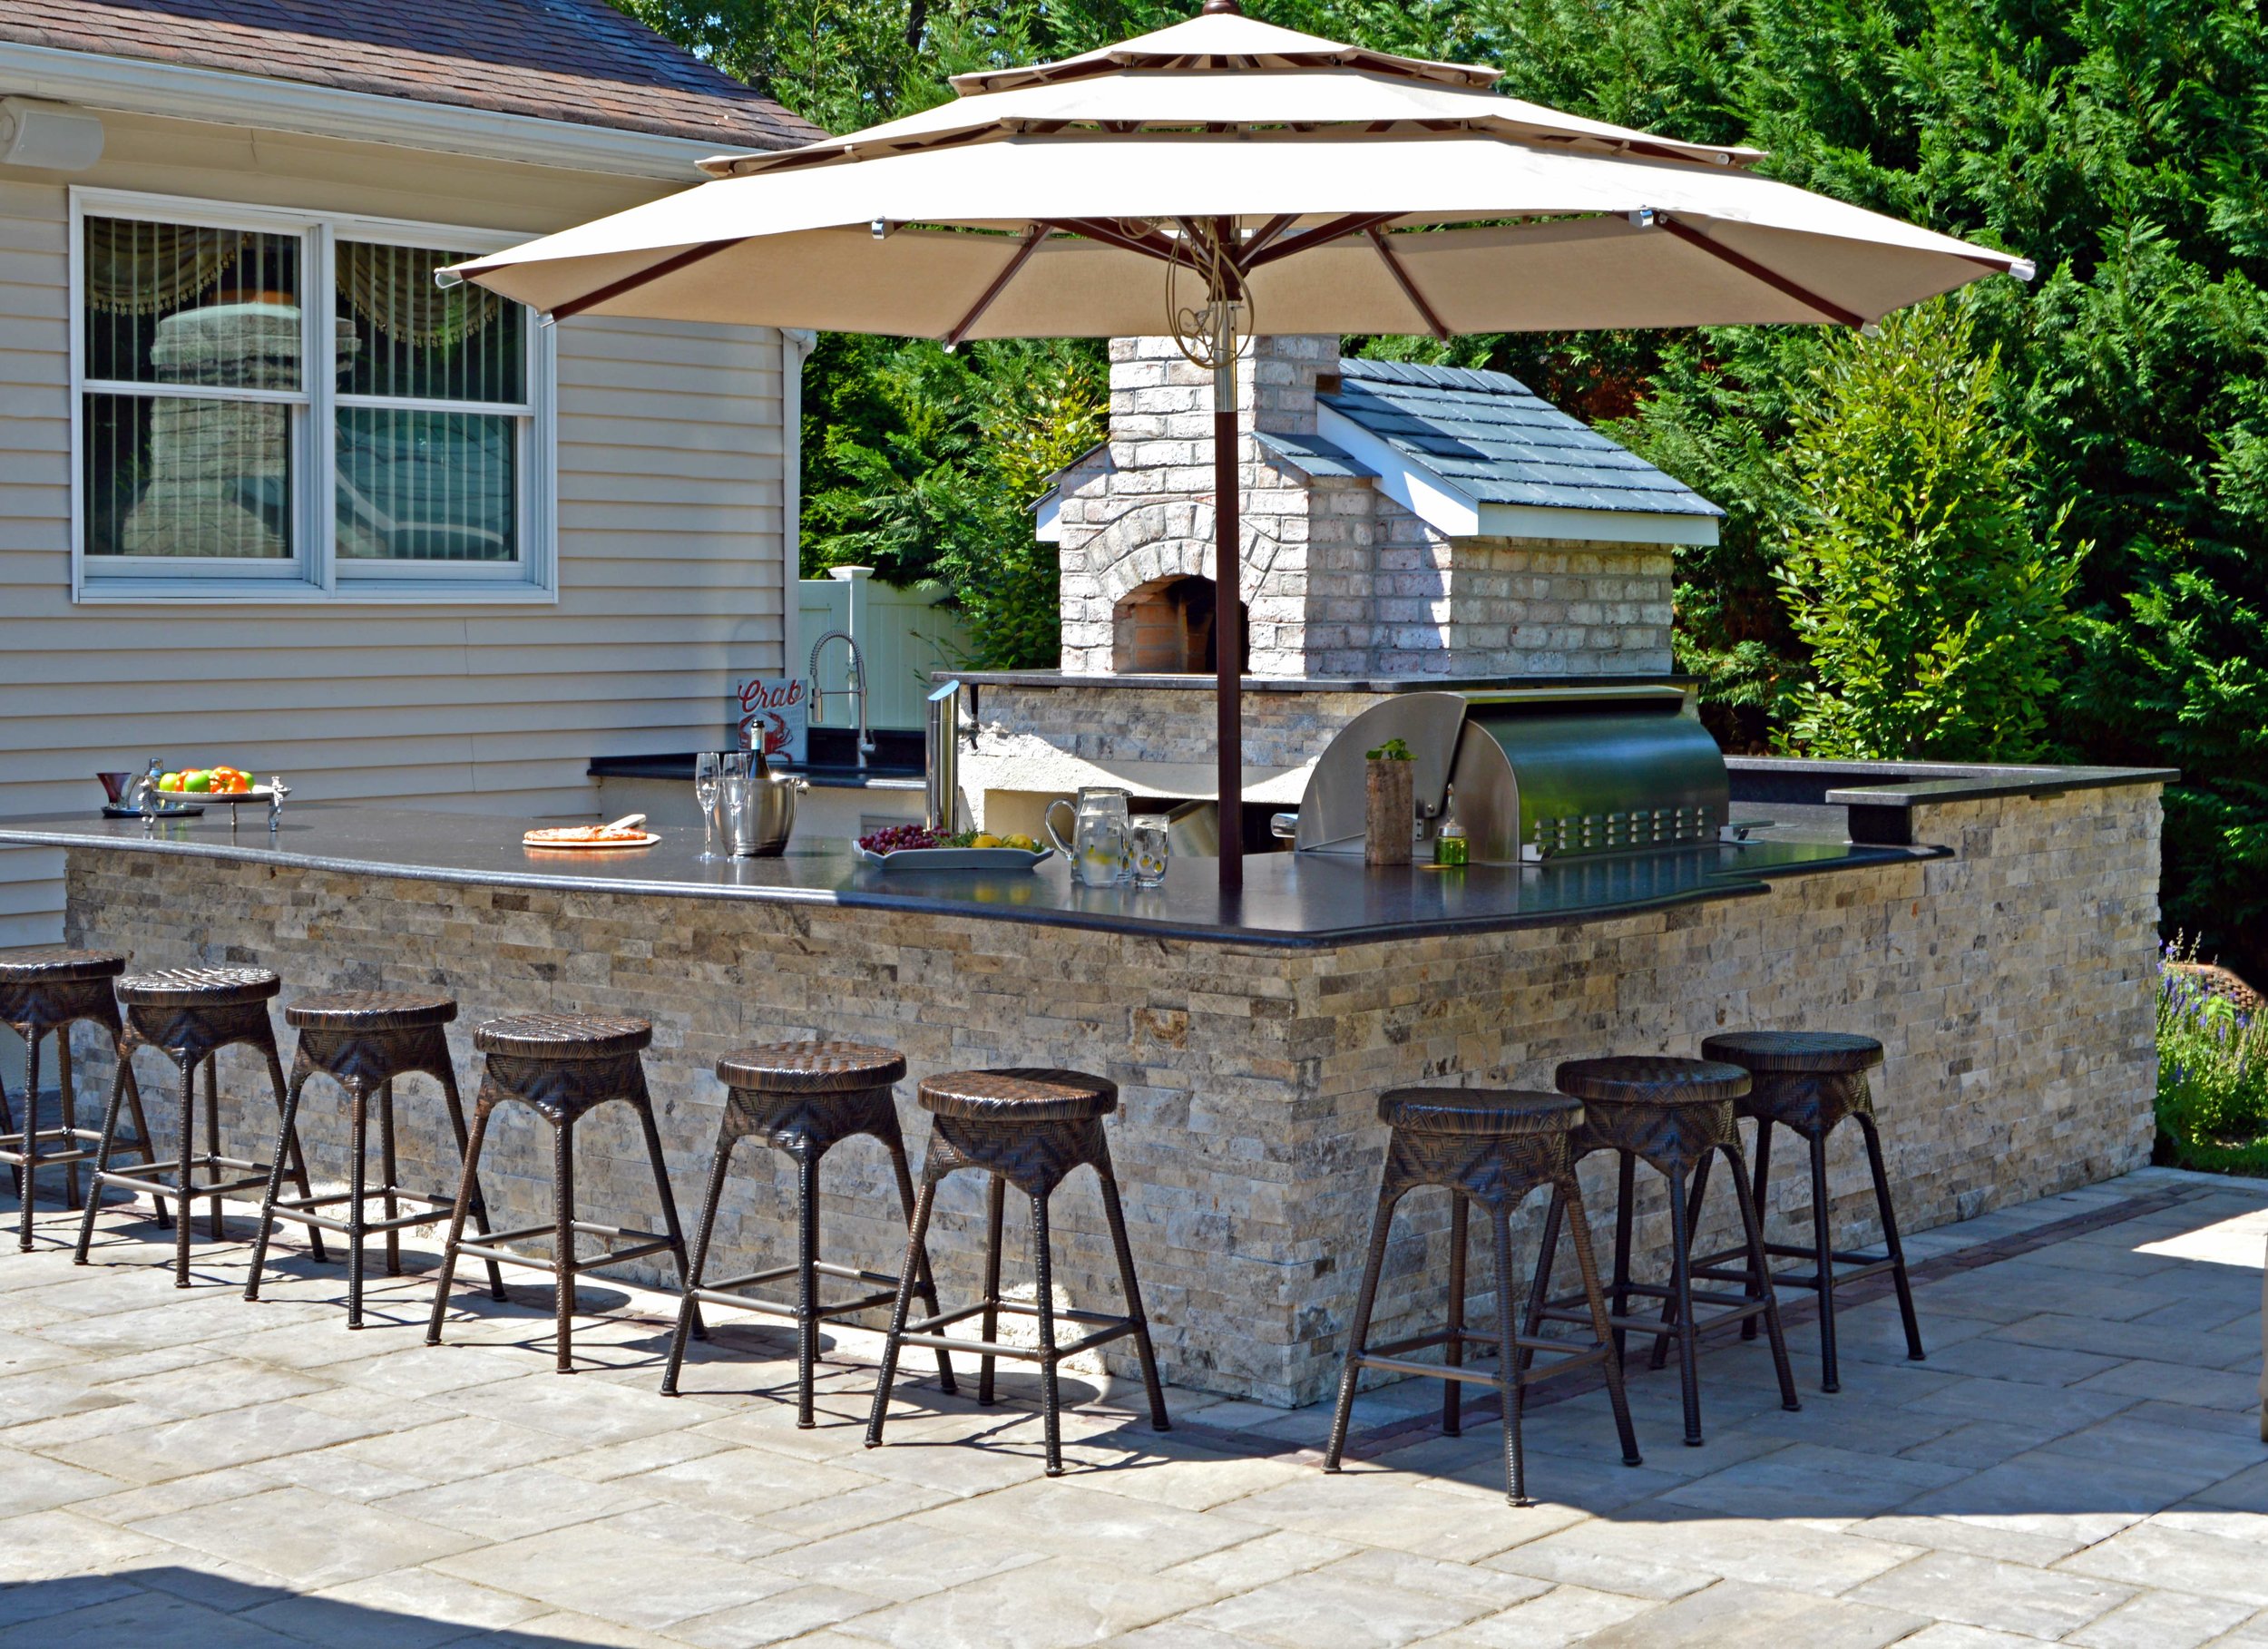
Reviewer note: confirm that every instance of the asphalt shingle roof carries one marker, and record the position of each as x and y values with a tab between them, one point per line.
1495	440
580	60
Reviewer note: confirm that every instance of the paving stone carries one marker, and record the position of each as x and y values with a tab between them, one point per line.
1072	1521
506	1505
1564	1614
1732	1611
1776	1552
1805	1480
19	1604
145	1617
2037	1538
1390	1509
2162	1619
450	1450
623	1578
2150	1553
1323	1610
782	1616
1059	1602
1982	1592
914	1562
309	1538
1944	1634
31	1483
1257	1562
2040	1482
235	1437
746	1482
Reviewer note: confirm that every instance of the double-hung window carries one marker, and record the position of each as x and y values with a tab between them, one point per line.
284	406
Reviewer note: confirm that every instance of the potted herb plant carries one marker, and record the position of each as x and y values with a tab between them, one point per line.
1389	804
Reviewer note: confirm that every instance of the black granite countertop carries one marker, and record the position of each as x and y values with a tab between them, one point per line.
1296	901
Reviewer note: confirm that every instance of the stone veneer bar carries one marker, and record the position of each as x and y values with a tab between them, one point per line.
2011	982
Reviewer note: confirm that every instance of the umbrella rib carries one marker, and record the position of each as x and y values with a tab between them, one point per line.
1409	287
1306	241
1032	236
1755	271
1152	245
630	283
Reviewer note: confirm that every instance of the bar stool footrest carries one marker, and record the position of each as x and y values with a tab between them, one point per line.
727	1293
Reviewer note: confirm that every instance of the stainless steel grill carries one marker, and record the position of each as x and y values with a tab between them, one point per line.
1547	773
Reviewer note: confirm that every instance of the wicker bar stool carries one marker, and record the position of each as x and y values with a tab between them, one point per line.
1489	1147
1809	1081
804	1099
193	1013
1672	1115
363	1041
42	991
562	1066
1029	1128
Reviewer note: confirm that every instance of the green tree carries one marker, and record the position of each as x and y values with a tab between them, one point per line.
2122	144
1931	607
924	464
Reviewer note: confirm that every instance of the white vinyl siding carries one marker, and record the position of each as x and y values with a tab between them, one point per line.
670	519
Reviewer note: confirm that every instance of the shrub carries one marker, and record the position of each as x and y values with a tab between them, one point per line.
2211	1076
1931	602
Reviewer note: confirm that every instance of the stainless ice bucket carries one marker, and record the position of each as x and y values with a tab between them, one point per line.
764	814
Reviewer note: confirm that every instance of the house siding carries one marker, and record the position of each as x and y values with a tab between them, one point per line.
672	517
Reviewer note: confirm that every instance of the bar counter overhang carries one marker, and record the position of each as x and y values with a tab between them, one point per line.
1998	933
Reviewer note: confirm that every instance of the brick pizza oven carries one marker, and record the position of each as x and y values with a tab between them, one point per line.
1404	525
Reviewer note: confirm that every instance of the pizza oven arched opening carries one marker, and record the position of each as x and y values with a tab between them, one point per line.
1165	627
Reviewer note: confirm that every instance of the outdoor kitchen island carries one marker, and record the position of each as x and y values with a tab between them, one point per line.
2002	951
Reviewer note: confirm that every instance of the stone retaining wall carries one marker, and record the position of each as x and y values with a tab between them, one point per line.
2012	984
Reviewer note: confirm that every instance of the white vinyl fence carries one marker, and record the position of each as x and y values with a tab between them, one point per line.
902	635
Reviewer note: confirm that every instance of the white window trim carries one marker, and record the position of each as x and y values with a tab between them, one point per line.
317	573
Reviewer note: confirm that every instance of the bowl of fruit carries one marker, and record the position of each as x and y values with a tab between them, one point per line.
906	847
212	783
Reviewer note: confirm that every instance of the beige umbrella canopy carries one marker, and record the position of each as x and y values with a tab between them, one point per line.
1224	176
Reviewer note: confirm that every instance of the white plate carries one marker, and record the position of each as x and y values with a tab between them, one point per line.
197	798
646	840
954	858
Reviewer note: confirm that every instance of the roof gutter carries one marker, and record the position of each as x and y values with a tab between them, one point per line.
138	86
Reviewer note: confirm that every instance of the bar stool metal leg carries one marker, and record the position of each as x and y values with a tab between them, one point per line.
69	1111
925	1284
1453	1353
1043	1300
1569	1196
103	1156
1890	1244
995	1208
1358	1330
1760	1265
301	1074
468	1189
718	1172
27	1171
1114	1215
916	1239
469	1184
1823	1253
390	1168
1511	1384
668	1198
564	1242
806	1161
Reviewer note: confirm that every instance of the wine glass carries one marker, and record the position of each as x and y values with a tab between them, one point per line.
708	766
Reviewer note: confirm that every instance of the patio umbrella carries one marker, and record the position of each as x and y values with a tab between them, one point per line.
1225	177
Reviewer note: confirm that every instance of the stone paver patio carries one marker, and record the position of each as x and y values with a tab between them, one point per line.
2078	1461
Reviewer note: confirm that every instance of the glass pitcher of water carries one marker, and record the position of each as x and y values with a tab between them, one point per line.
1098	848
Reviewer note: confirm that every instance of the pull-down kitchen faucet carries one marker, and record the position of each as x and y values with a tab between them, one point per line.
857	687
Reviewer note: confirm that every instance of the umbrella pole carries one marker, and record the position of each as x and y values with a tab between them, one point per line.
1228	616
